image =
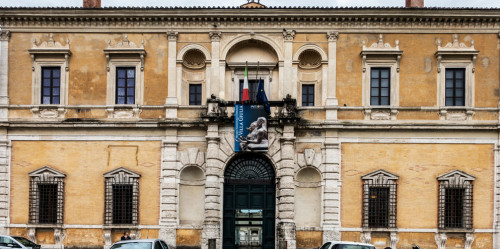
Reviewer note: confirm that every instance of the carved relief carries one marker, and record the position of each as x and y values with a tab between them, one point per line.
381	48
309	158
469	239
50	47
4	35
59	235
380	45
172	35
441	240
215	35
332	36
124	113
194	59
51	43
394	240
125	46
366	237
456	48
309	59
48	112
125	43
456	115
380	114
191	156
289	35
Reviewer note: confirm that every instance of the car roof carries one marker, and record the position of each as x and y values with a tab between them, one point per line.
349	243
136	240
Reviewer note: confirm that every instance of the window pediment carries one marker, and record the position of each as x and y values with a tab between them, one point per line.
456	50
46	172
381	51
125	48
456	177
380	177
50	48
121	174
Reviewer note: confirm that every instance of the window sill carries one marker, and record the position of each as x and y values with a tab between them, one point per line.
44	226
455	113
120	226
455	230
379	229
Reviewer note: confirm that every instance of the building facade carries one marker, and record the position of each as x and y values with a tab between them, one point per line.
384	126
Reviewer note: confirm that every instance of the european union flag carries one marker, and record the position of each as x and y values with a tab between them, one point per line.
261	97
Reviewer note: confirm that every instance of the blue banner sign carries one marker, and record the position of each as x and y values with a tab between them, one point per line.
250	128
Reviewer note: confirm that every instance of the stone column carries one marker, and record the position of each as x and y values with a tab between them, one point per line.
171	101
168	191
216	85
286	192
4	74
332	184
5	149
211	226
286	87
331	99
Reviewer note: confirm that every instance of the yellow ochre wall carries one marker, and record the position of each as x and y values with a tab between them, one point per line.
84	163
418	166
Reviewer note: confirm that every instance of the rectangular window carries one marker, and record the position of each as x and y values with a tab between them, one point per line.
380	86
453	207
51	85
253	86
378	207
194	94
308	95
455	86
48	203
125	85
122	203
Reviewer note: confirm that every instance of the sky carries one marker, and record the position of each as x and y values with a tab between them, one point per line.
228	3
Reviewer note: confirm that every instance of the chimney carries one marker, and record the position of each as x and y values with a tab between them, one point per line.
91	3
414	3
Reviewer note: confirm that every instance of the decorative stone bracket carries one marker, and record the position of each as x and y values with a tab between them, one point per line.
49	112
125	112
309	158
455	114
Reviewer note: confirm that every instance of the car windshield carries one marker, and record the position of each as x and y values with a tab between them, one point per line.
132	245
24	242
355	247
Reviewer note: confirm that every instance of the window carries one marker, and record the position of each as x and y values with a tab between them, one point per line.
455	86
194	94
125	85
380	86
455	200
379	200
46	196
378	207
308	95
253	86
122	197
51	85
122	203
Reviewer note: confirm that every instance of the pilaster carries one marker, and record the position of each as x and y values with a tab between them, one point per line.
168	191
331	100
211	226
171	101
496	210
286	194
331	190
286	87
5	149
4	76
216	85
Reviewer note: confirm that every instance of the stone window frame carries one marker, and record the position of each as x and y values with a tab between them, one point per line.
181	84
456	179
124	53
49	54
238	73
45	175
376	179
380	55
121	176
320	86
315	99
456	54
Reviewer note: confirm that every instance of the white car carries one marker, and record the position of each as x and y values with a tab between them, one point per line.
346	245
140	244
9	242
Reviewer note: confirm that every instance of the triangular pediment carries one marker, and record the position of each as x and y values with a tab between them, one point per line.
252	4
456	176
378	174
122	172
47	171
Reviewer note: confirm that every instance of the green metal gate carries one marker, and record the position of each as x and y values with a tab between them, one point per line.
249	203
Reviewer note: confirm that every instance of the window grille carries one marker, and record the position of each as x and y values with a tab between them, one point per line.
248	169
46	196
455	205
379	205
121	197
379	199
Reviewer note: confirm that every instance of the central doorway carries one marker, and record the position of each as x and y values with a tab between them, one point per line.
249	203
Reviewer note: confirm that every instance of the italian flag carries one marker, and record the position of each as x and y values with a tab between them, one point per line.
245	96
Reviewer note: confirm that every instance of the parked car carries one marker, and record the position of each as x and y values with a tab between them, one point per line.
346	245
140	244
17	242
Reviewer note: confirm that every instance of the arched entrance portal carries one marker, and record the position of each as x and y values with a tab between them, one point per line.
249	203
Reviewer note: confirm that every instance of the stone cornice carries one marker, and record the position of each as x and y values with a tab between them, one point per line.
348	18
